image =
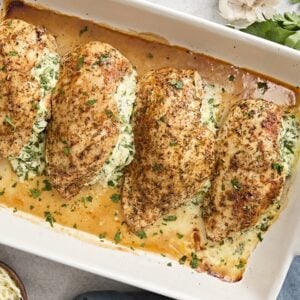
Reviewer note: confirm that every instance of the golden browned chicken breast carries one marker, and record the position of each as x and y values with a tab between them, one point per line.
90	138
29	68
174	148
254	152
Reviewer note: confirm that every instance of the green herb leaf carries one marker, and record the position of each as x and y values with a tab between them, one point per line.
2	192
83	30
12	53
283	29
91	102
194	263
235	184
66	150
141	234
47	185
259	236
117	237
80	62
49	218
35	193
277	167
102	235
241	265
178	84
179	235
115	198
262	85
9	121
170	218
294	1
182	259
231	77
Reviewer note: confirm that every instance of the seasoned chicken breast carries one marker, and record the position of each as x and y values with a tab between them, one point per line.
90	137
29	68
174	150
254	153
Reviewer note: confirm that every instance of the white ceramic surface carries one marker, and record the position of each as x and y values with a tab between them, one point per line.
269	264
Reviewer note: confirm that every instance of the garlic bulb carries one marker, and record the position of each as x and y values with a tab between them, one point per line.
244	12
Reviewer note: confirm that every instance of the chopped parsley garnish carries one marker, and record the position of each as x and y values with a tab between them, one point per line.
109	113
241	265
231	77
102	59
83	30
259	236
80	62
115	198
156	168
289	145
35	193
194	263
117	237
91	102
173	143
262	85
2	192
141	234
182	259
235	184
12	53
277	167
66	150
86	199
110	183
170	218
102	235
49	218
31	207
9	121
169	264
179	235
178	84
47	185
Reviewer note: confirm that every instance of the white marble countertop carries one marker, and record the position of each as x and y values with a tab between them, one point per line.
47	280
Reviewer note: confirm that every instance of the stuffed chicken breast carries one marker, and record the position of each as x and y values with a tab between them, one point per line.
255	151
29	68
90	137
174	146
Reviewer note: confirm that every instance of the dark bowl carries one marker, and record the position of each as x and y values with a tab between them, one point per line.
15	277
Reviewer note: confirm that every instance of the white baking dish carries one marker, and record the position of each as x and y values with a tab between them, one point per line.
269	264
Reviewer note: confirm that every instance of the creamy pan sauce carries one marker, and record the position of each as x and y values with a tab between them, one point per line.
97	210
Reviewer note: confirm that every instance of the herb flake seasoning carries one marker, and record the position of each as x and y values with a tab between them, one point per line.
170	218
83	30
9	121
235	184
194	263
141	234
91	102
117	237
49	218
263	86
35	193
277	167
80	62
115	198
178	84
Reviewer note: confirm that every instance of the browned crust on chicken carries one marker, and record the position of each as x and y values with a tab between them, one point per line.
174	153
245	182
21	45
85	122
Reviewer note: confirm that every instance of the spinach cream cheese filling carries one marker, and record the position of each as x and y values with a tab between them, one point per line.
123	152
31	160
289	140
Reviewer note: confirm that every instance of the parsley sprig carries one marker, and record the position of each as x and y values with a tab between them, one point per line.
283	29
